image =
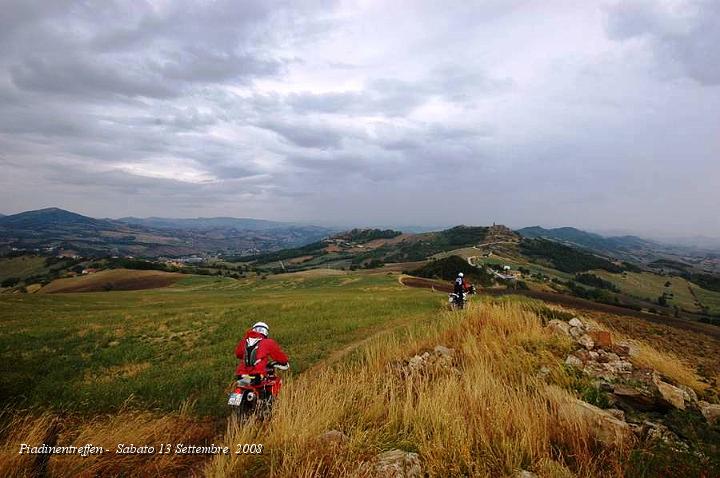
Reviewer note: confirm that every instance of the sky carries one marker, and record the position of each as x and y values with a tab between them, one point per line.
603	115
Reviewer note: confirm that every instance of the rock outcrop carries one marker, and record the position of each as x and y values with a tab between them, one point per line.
711	412
397	464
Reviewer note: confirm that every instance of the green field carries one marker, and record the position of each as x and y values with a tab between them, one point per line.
708	299
646	285
91	351
22	266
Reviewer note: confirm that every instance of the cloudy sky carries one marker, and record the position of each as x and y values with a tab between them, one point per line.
598	114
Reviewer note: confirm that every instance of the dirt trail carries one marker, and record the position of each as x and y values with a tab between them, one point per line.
339	354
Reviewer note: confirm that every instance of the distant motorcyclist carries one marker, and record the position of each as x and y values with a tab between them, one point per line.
258	352
461	285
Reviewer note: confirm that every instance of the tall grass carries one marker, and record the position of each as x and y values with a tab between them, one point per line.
126	426
487	415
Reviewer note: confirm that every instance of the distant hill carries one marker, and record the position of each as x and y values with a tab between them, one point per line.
206	223
588	240
629	248
54	229
368	247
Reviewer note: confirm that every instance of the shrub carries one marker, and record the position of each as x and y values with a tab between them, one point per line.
10	282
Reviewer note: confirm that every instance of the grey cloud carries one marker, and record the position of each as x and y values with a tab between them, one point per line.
362	112
685	37
137	50
306	135
82	77
395	97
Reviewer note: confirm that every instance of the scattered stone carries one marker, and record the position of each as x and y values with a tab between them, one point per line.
619	367
441	357
710	411
583	355
594	356
619	414
575	322
635	398
671	394
690	395
524	474
603	386
586	341
543	372
398	464
602	338
333	438
573	361
606	428
658	432
602	356
444	351
559	327
576	332
622	350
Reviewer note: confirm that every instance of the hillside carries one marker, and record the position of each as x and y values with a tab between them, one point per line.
59	231
113	279
616	244
382	379
363	248
205	223
545	265
632	248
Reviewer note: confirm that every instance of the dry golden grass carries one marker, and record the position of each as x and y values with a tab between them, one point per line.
665	362
489	415
126	426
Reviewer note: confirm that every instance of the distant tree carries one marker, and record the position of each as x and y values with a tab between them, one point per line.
10	282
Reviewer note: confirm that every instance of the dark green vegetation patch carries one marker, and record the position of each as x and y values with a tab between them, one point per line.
448	268
565	258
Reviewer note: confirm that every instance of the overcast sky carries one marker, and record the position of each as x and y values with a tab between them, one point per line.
603	115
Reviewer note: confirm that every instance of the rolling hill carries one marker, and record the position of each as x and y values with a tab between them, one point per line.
61	231
589	240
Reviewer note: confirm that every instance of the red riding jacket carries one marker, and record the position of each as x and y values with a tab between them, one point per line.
266	350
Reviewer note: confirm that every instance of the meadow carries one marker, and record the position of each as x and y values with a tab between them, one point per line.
92	352
645	285
151	367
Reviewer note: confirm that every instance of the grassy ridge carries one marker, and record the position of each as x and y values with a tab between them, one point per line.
489	413
90	352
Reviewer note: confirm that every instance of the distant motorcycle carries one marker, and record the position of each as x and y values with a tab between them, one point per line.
458	301
256	393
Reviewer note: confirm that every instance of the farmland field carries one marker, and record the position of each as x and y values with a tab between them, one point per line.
21	266
89	352
709	299
650	286
112	279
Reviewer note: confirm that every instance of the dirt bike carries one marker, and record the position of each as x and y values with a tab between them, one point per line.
256	393
458	301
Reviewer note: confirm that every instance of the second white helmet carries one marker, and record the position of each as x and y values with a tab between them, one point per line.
461	275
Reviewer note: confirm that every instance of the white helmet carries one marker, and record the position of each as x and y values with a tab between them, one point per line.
261	328
461	275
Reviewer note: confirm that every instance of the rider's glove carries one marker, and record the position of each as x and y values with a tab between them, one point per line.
282	366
